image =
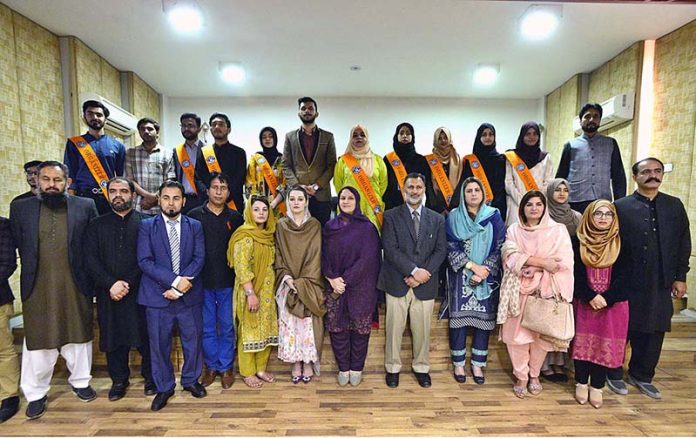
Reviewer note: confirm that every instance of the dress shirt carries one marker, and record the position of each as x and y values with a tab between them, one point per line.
149	170
111	153
420	218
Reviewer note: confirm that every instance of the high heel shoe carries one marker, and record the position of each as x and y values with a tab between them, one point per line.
581	394
596	398
479	380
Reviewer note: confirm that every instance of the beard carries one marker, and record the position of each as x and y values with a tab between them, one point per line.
217	135
121	206
188	135
308	118
96	124
171	213
590	127
53	200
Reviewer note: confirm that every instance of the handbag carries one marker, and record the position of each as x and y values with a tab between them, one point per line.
551	317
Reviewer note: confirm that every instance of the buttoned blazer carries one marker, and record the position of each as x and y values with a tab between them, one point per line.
320	170
24	221
403	252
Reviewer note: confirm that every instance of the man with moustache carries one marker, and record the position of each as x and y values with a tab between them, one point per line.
592	163
219	223
31	172
414	242
223	157
185	157
656	241
49	231
309	158
148	165
112	262
94	158
171	255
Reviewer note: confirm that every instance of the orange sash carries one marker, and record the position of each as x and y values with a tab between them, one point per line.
186	166
271	180
480	173
93	164
399	169
522	171
213	166
365	186
440	177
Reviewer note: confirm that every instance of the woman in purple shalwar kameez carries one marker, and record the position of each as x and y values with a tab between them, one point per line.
350	262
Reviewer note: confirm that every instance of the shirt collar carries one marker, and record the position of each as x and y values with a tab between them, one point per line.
644	199
419	210
157	148
167	219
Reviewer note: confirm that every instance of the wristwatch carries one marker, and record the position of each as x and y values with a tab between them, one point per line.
315	187
469	265
248	292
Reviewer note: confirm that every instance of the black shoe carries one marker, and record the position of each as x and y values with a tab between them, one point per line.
118	390
161	400
85	394
392	380
197	390
479	380
423	379
9	407
150	388
37	408
460	378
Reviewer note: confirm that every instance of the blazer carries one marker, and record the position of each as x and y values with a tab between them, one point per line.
319	171
154	259
403	253
24	221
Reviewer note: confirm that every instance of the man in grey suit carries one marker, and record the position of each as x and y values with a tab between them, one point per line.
413	238
56	293
309	158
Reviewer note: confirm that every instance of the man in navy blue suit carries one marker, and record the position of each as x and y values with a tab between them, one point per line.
171	254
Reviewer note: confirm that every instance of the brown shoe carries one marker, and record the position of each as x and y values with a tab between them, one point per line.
227	379
208	377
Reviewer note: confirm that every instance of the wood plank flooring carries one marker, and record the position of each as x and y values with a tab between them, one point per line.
323	408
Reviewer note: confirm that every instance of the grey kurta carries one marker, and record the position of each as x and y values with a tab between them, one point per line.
56	313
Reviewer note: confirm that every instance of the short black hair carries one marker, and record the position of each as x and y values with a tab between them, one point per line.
169	184
634	168
52	163
306	99
32	163
193	116
415	175
146	120
258	198
95	104
220	177
527	196
220	116
588	106
120	179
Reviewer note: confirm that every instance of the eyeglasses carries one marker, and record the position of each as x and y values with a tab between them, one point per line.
601	214
188	126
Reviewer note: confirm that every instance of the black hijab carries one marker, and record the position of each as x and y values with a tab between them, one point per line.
485	154
531	155
405	151
270	154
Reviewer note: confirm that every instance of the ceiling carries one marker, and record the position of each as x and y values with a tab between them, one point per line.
405	48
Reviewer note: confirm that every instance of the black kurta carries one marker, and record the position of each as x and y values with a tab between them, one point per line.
233	163
494	166
111	254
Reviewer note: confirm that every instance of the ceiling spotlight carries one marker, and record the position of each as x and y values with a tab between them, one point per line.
232	72
486	74
184	15
540	21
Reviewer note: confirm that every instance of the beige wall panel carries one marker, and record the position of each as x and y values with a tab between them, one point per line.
561	107
111	82
146	101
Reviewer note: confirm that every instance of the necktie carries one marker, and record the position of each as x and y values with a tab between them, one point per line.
174	246
416	222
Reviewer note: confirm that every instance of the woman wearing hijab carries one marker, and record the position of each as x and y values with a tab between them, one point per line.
601	309
351	260
265	171
475	233
401	161
359	167
538	254
251	253
527	168
486	164
445	166
300	294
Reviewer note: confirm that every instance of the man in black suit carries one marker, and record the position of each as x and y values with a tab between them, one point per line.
415	246
56	291
9	363
656	241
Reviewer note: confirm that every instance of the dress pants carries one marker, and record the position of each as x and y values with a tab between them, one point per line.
251	363
350	349
9	362
645	354
117	363
419	312
526	359
160	325
590	372
37	368
320	210
479	346
218	329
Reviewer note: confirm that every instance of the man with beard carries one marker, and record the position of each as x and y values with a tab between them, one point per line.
656	242
219	223
49	231
111	260
31	171
185	157
592	163
171	254
223	157
309	158
94	158
148	165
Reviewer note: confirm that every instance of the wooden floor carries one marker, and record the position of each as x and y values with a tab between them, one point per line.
372	409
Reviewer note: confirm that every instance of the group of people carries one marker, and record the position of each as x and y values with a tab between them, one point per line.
244	258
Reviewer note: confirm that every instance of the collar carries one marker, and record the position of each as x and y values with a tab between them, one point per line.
167	219
588	138
314	130
157	148
419	210
645	199
205	208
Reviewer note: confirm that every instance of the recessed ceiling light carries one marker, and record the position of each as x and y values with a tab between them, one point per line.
355	68
540	21
184	15
232	72
486	74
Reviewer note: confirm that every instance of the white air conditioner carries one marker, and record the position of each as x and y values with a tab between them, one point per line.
617	110
119	121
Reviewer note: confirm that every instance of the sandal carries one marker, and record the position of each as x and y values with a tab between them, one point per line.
519	391
306	379
266	377
296	379
535	388
253	382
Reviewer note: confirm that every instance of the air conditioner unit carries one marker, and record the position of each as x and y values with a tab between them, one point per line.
120	121
617	110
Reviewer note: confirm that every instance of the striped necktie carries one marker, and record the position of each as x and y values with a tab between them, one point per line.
416	222
174	246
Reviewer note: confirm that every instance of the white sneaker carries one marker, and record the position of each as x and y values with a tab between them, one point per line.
343	378
355	377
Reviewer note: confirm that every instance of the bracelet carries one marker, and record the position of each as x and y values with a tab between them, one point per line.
248	292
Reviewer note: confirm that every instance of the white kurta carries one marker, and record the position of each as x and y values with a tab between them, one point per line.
543	174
